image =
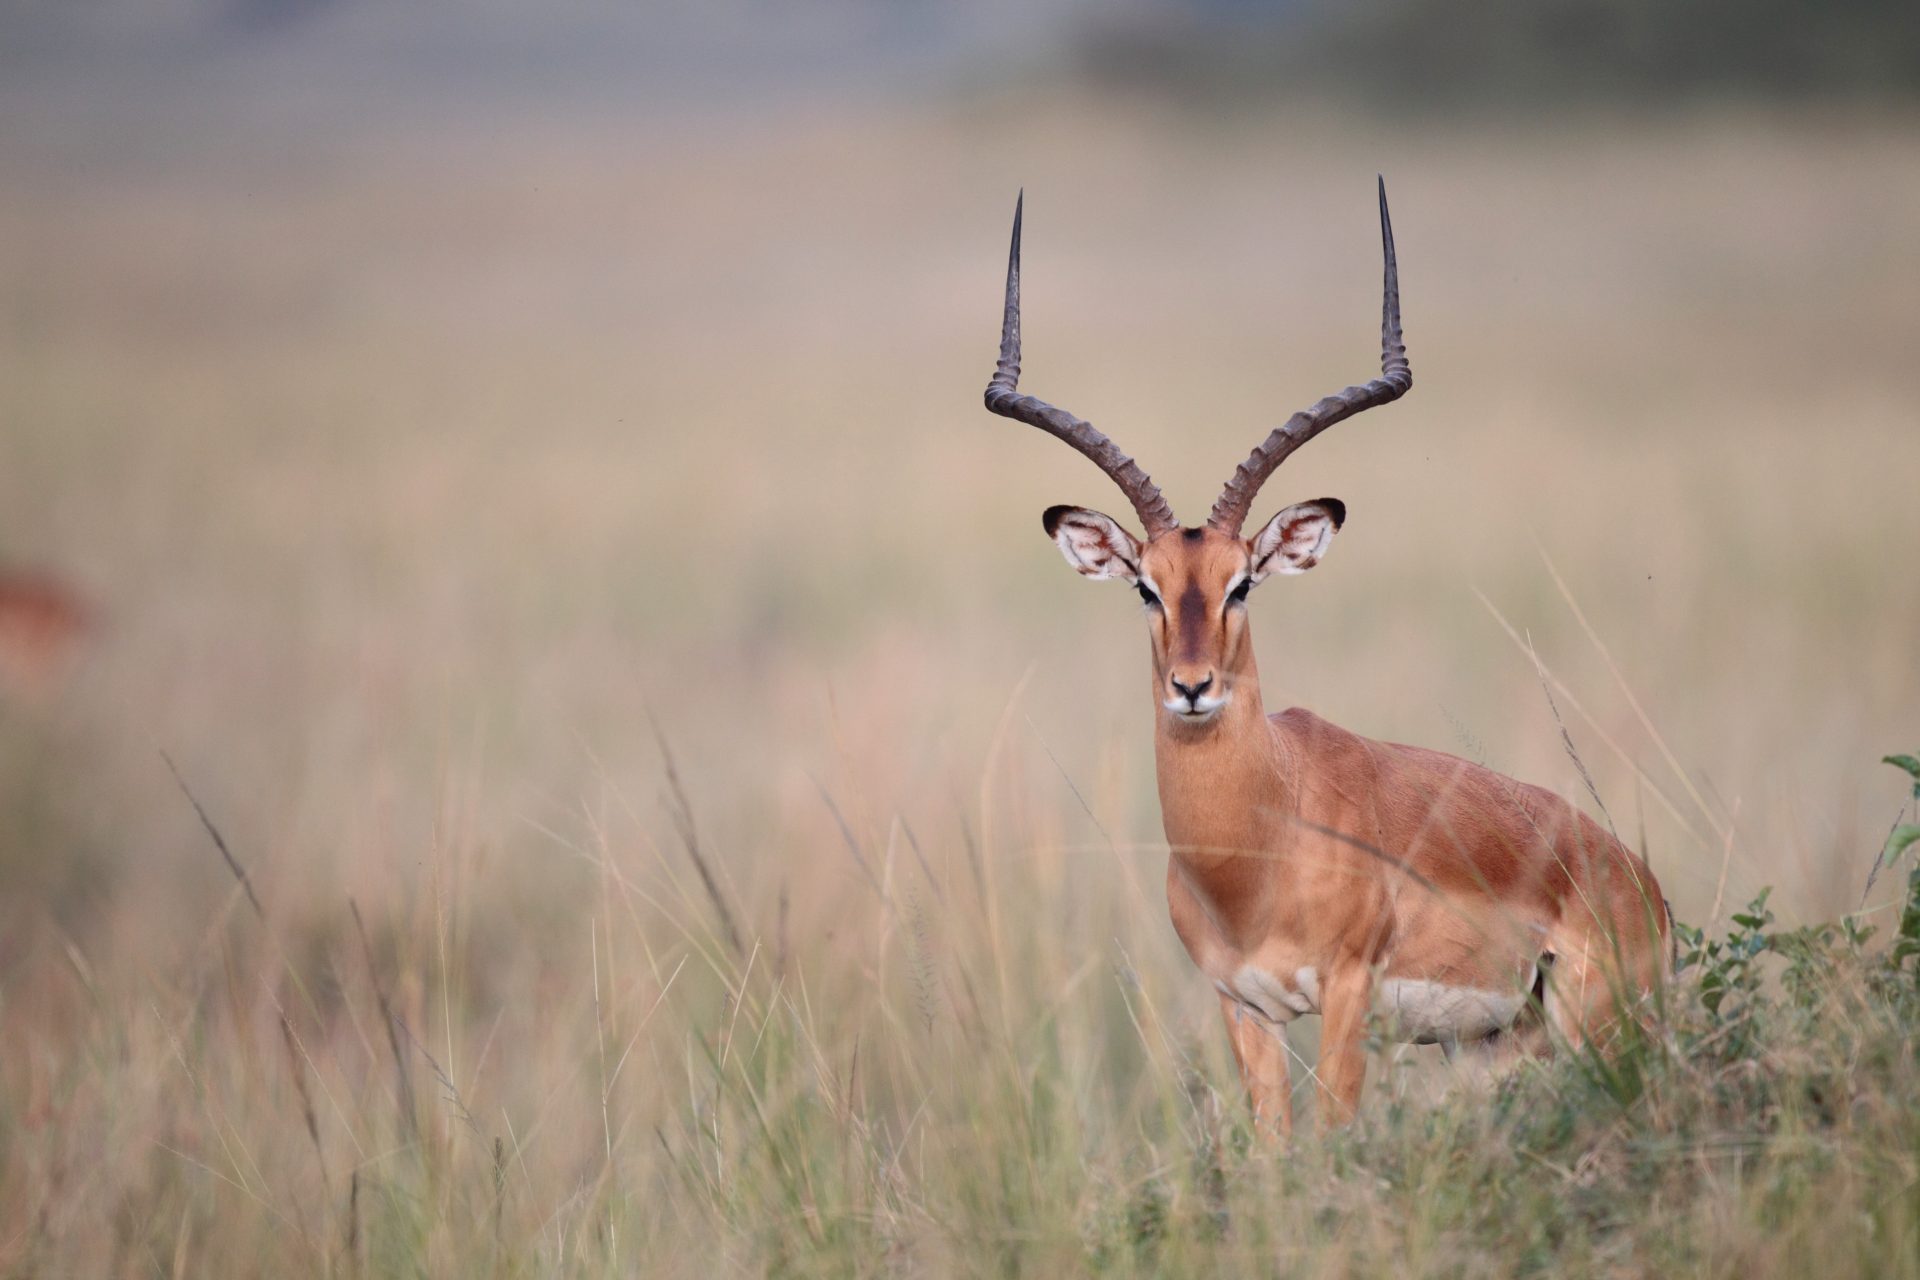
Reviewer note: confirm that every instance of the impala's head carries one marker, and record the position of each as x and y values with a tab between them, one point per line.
1193	586
1194	582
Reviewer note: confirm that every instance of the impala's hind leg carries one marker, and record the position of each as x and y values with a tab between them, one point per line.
1527	1037
1587	994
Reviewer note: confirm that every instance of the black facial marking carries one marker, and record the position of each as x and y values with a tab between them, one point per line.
1193	535
1193	623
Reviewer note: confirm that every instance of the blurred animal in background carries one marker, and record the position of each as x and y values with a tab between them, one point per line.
1314	871
43	625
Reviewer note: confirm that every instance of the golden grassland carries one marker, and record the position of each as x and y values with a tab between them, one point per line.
433	487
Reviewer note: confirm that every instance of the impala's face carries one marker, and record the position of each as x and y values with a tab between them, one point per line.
1193	584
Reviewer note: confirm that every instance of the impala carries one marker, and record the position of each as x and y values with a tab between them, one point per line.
1314	871
42	624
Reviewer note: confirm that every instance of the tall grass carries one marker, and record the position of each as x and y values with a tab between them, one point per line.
901	1094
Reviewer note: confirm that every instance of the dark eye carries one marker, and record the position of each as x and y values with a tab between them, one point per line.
1239	594
1146	594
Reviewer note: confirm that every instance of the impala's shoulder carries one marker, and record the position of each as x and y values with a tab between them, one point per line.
1298	721
1325	740
1300	728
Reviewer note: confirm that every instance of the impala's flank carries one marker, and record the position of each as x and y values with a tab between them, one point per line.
1316	871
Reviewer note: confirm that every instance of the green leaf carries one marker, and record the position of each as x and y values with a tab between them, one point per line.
1910	763
1903	835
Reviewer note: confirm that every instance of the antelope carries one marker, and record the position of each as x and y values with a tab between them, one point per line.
1315	871
41	626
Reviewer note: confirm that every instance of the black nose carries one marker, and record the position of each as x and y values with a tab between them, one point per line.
1191	692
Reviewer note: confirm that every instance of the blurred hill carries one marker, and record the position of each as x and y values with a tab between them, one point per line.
1498	53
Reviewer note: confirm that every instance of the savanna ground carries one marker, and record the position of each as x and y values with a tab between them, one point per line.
433	485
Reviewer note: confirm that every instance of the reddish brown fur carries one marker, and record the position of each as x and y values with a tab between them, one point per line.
1296	844
42	624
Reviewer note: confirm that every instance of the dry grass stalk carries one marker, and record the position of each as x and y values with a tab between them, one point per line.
689	830
403	1082
219	841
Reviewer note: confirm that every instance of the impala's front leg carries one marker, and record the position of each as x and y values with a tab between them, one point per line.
1261	1051
1345	1003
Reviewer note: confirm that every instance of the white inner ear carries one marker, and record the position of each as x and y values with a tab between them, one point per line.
1294	540
1097	547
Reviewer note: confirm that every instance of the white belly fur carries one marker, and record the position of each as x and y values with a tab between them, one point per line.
1432	1012
1414	1009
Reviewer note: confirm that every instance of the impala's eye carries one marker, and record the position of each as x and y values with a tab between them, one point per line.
1146	594
1239	594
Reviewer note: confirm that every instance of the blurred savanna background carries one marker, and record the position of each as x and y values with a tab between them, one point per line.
514	483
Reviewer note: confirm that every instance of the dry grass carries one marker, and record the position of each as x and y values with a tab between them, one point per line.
412	476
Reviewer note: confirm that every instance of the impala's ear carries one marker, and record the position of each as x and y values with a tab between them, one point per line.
1095	545
1294	540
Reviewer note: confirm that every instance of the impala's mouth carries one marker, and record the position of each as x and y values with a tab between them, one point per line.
1199	710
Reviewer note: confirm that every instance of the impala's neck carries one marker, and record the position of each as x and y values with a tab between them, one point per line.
1223	783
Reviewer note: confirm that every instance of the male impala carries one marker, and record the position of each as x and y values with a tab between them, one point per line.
1316	871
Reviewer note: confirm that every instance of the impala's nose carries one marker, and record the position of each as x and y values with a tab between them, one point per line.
1191	692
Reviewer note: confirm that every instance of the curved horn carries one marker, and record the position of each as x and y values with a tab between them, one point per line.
1396	376
1003	397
